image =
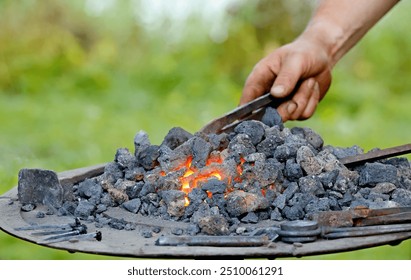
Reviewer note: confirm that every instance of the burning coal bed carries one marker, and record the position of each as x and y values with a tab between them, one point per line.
223	184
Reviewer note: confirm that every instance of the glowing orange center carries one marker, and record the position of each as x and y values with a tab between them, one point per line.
192	177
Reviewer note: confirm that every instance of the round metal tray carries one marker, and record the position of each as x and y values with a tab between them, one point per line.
132	244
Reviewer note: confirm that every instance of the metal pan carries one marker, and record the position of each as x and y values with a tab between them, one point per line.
124	243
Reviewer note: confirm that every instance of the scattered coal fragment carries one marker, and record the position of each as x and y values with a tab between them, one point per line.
240	146
132	205
311	164
250	218
39	186
329	178
310	136
124	158
240	202
112	172
133	191
117	223
141	142
295	212
146	233
402	197
177	231
175	201
272	118
68	208
40	215
254	129
269	145
384	188
84	209
280	201
293	170
312	185
101	208
27	207
148	157
214	225
193	229
290	190
218	142
175	137
283	152
276	215
90	189
316	205
374	173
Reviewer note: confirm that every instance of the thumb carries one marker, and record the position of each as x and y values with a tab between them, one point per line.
287	79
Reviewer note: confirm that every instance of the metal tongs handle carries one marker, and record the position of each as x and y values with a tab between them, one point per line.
251	110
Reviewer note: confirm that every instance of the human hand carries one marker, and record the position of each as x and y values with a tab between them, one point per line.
300	70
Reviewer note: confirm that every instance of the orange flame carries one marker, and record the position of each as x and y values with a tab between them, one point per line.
192	177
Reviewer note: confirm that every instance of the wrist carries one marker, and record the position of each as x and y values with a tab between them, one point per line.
330	37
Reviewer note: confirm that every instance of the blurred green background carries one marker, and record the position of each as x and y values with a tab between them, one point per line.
78	79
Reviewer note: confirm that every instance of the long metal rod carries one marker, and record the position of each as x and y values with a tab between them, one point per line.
216	241
376	155
333	233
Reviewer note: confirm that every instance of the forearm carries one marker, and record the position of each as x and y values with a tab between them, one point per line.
339	24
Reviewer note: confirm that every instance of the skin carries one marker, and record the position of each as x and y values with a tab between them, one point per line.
301	70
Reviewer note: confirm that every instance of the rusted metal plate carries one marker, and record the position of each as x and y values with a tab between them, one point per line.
133	244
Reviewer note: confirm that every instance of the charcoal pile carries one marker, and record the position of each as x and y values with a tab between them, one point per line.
260	171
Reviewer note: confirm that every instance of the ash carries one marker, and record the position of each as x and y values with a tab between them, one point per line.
260	171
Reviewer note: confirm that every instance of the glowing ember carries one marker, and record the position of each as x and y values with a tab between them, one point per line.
192	177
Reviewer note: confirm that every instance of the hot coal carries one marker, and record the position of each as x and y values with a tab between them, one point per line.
219	183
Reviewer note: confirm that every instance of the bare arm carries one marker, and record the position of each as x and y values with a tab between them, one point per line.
304	66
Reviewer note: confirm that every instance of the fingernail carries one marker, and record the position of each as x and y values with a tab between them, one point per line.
277	91
291	107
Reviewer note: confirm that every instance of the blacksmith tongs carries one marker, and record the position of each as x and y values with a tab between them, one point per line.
255	110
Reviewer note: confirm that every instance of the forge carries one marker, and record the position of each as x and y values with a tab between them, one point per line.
261	190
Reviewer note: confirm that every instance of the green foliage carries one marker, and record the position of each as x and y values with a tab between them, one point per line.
76	84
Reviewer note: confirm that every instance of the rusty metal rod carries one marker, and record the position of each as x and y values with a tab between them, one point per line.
334	233
213	241
377	155
395	218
